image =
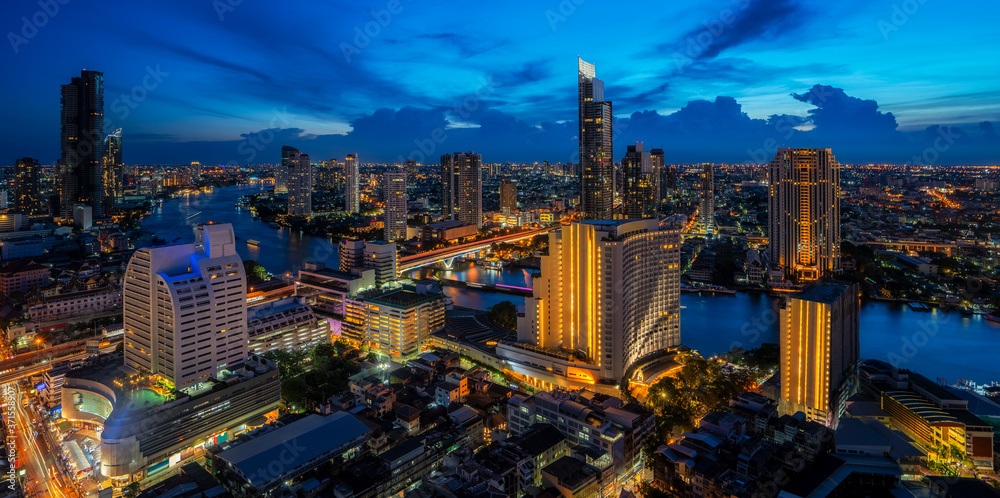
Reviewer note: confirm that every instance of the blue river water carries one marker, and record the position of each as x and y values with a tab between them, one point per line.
937	344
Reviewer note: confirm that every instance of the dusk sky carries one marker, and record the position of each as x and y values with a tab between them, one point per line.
914	81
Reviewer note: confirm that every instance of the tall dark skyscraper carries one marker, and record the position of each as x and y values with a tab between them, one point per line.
597	193
804	213
112	164
642	181
410	167
80	165
394	183
706	210
508	196
462	187
27	188
352	190
299	177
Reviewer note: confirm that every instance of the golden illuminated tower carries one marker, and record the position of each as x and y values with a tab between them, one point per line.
819	351
609	289
804	213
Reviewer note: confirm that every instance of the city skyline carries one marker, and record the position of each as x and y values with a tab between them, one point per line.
885	84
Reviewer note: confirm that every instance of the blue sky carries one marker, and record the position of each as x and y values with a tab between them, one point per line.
721	81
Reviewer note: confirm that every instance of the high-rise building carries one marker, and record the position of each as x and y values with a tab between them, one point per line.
820	351
185	307
395	205
656	155
298	172
112	166
804	213
597	193
27	187
410	167
398	322
352	254
610	289
508	196
706	209
82	143
642	182
327	175
381	257
352	192
462	187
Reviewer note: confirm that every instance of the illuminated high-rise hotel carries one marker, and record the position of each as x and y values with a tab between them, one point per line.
706	209
352	191
597	172
642	182
462	187
804	213
185	311
610	289
298	172
395	205
820	351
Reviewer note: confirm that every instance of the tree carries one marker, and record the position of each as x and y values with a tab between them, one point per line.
133	488
289	362
256	273
504	314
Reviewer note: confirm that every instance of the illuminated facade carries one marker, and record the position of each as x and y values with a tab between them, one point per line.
508	197
597	189
398	322
82	143
706	210
298	172
820	351
381	257
286	324
462	187
185	313
395	205
114	187
804	213
352	189
642	183
27	187
610	289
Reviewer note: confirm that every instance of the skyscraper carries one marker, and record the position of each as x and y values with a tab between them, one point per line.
596	161
112	166
352	192
706	209
82	144
656	155
508	196
299	177
642	181
410	167
462	187
610	289
185	307
27	188
820	351
395	205
325	175
804	213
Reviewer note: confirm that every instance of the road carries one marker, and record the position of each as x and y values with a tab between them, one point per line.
34	456
425	258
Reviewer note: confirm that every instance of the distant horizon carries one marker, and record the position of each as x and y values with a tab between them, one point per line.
726	81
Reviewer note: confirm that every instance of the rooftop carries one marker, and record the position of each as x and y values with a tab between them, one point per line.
824	293
311	437
403	298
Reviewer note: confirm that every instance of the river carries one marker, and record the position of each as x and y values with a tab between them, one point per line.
936	344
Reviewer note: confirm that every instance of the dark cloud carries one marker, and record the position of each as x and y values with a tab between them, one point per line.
743	22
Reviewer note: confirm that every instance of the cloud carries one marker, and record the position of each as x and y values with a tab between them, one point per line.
748	21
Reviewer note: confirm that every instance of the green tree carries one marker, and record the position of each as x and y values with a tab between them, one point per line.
290	363
256	273
504	314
